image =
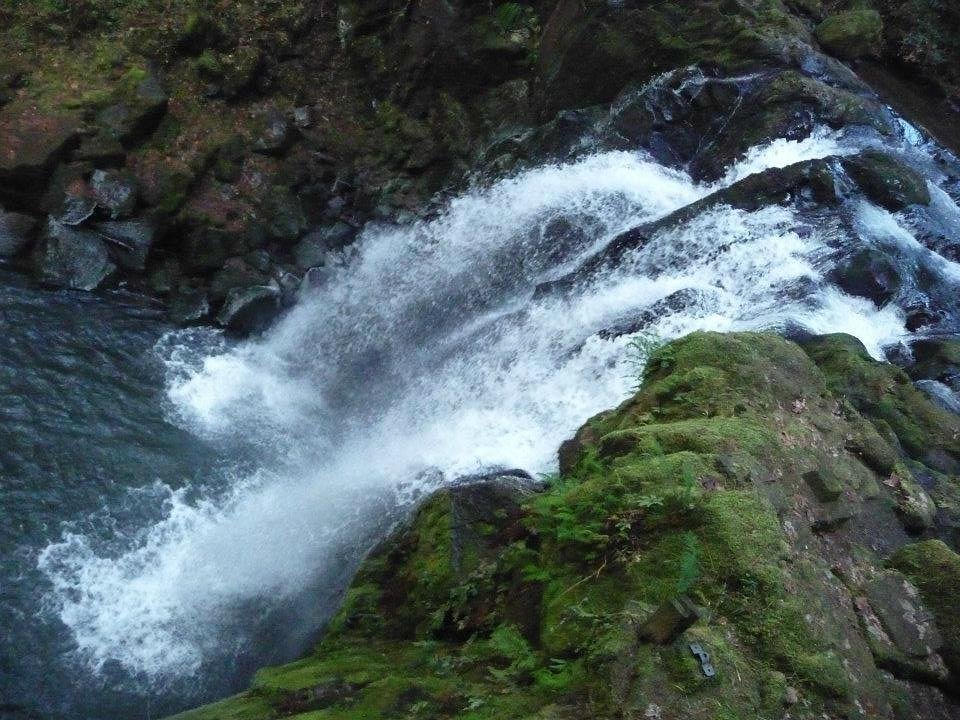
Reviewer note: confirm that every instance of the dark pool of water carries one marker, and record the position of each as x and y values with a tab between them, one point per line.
82	428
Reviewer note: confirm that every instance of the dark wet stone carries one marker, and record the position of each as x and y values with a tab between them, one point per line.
235	273
189	306
130	240
871	274
68	257
285	219
887	181
115	191
250	310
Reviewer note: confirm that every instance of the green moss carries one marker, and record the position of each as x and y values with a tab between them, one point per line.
935	569
886	396
851	34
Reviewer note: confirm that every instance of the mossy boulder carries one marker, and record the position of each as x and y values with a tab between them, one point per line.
887	181
853	33
935	569
885	395
936	359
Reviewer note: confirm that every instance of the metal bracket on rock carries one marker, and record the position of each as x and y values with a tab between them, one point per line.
704	657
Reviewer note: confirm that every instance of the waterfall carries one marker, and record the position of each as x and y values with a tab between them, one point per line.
423	354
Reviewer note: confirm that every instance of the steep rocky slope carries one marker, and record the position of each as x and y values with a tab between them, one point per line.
212	153
763	531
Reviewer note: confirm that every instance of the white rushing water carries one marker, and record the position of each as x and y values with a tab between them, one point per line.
427	355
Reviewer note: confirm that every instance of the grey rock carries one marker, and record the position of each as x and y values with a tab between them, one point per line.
310	252
285	219
130	240
235	273
908	623
302	117
68	257
275	134
114	191
249	310
15	232
76	210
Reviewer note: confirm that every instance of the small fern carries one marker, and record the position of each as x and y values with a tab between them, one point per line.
639	350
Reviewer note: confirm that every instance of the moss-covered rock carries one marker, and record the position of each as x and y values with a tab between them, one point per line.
885	395
853	33
935	569
682	535
887	181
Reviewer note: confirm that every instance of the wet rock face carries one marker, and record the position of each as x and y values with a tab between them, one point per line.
249	310
886	181
76	259
680	563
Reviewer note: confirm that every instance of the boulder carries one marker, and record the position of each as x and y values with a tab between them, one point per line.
115	191
73	258
886	181
906	620
312	250
130	240
284	216
936	359
205	249
15	232
137	113
249	310
75	210
869	273
851	34
274	135
935	569
235	273
31	144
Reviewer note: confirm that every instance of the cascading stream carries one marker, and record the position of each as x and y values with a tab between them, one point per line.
426	355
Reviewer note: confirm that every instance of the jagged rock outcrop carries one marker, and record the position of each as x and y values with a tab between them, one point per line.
763	530
233	132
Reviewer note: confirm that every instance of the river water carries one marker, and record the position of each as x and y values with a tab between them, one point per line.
178	510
